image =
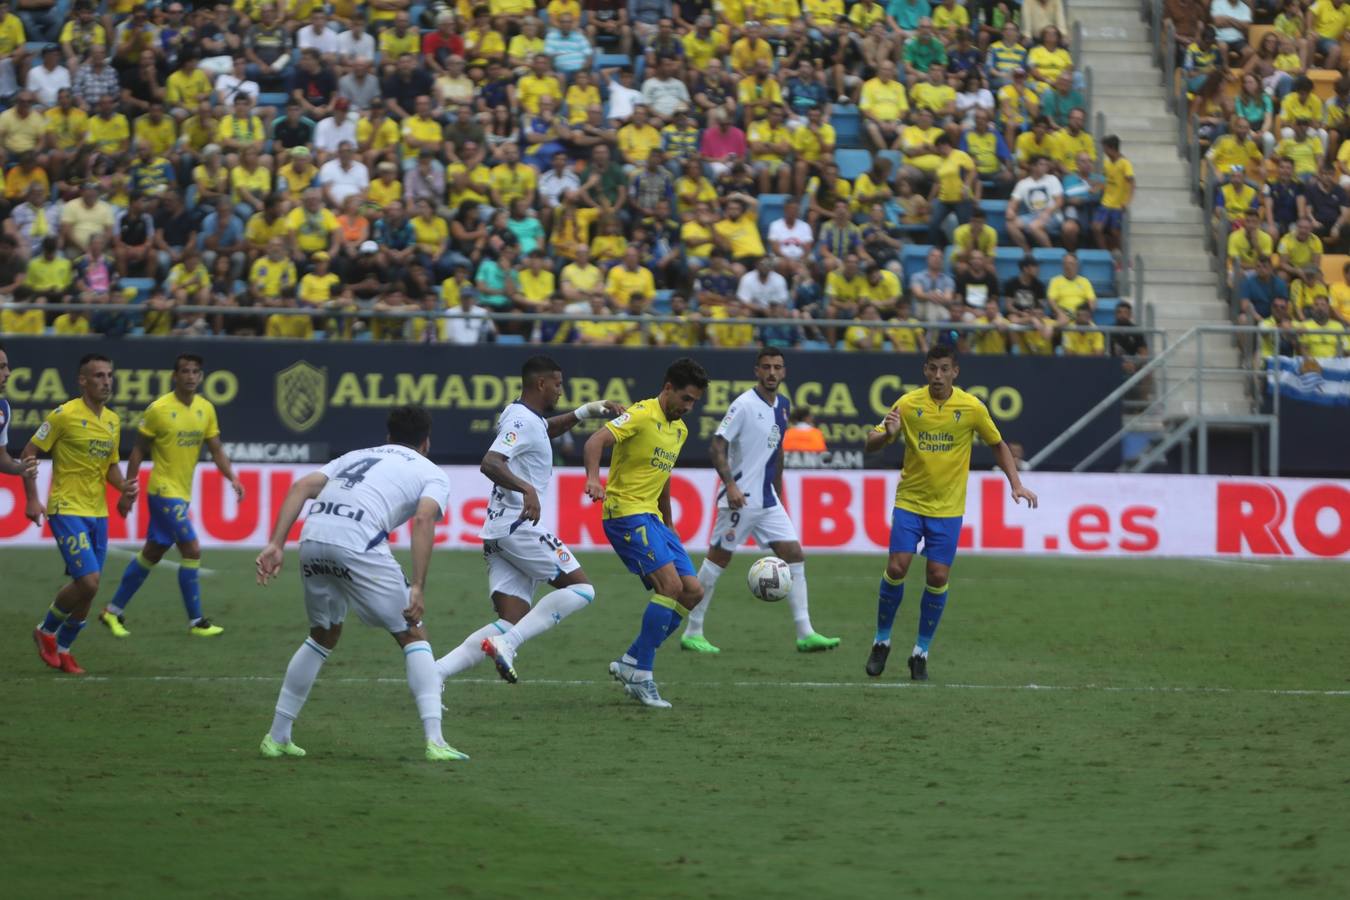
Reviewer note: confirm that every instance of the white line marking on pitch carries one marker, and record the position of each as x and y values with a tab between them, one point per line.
1220	561
889	685
173	566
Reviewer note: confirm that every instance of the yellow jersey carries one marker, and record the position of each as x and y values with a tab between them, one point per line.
160	136
512	182
82	446
181	89
885	101
646	445
67	127
176	432
313	231
1322	346
843	290
537	287
1084	343
951	178
636	142
1068	294
742	234
1119	176
622	284
269	278
905	335
69	323
110	135
1299	254
1067	147
531	87
316	290
938	438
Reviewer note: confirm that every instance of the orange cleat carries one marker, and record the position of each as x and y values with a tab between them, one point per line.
69	665
46	646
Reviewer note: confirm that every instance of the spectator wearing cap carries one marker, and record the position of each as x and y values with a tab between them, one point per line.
46	80
333	131
386	187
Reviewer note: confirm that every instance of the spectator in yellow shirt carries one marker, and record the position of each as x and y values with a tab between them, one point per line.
628	278
1246	245
1082	339
883	104
750	50
1070	290
638	138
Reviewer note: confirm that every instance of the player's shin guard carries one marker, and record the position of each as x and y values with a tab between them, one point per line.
65	635
132	578
708	573
888	604
470	653
930	614
300	674
656	627
801	616
190	586
549	611
425	685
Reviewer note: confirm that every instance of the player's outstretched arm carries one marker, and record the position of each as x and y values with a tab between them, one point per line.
24	467
423	537
591	454
494	466
304	490
34	509
223	464
1004	457
134	460
596	409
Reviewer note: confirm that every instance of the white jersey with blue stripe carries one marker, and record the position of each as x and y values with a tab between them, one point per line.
4	422
753	429
522	437
370	493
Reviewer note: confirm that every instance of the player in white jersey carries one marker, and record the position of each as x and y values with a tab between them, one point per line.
354	503
520	555
747	452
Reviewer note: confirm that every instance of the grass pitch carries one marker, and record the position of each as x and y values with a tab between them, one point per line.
1189	738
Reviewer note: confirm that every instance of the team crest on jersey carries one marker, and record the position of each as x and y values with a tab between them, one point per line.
564	557
957	415
918	414
622	420
509	438
43	430
301	394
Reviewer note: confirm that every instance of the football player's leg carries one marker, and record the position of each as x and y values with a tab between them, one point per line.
511	590
301	673
133	576
906	529
726	537
940	540
572	592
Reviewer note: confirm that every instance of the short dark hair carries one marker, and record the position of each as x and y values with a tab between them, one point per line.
768	352
408	425
685	372
1111	142
90	358
187	357
940	351
536	366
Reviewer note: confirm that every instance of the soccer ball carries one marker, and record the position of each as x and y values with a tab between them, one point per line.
770	579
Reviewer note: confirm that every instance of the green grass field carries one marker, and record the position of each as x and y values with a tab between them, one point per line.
1195	744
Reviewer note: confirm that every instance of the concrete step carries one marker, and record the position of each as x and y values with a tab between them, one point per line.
1190	215
1130	105
1135	66
1155	122
1133	41
1153	180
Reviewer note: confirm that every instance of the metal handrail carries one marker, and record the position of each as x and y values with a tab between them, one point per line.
1169	66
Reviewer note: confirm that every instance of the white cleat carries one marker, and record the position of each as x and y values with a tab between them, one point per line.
502	656
645	692
621	671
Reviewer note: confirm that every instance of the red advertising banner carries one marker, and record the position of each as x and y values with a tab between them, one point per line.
1096	515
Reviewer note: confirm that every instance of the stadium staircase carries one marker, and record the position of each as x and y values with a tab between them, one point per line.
1166	233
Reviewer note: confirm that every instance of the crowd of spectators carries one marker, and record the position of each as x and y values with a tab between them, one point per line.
603	158
1268	84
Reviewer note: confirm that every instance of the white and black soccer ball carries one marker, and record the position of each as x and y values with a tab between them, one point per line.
770	579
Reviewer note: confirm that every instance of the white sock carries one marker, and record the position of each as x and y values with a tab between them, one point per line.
300	674
708	573
426	687
470	653
797	600
919	651
549	611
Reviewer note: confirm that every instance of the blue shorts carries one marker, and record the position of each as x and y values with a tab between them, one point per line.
1053	225
1108	218
940	535
83	542
169	522
645	544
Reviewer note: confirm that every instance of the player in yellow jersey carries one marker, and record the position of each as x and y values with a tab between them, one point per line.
647	439
172	433
82	437
938	423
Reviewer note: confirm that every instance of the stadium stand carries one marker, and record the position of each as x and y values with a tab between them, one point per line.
419	172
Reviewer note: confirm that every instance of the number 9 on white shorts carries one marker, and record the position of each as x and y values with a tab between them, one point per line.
767	525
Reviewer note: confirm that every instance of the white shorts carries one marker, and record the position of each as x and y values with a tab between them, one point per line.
337	577
768	526
528	557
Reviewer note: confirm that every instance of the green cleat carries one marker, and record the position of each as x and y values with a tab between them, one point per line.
114	622
272	750
204	628
698	644
444	752
815	643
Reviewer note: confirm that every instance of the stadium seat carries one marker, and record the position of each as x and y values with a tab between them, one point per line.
847	122
770	210
1105	313
1324	82
661	302
816	345
275	99
1098	267
610	61
997	213
510	338
144	287
852	163
913	259
1333	264
895	156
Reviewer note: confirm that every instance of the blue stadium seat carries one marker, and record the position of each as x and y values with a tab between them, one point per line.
847	122
1098	267
510	338
997	211
770	210
275	99
661	302
144	286
1105	313
914	259
895	156
815	345
852	163
611	61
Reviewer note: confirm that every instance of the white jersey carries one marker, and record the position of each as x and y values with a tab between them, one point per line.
754	429
522	437
370	493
